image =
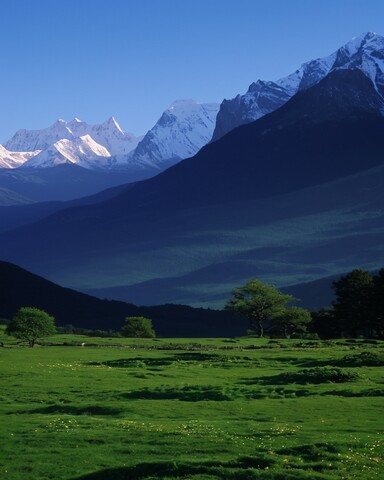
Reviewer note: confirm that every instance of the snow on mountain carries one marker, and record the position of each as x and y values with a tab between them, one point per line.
108	134
181	131
14	159
69	142
184	128
365	53
30	140
83	151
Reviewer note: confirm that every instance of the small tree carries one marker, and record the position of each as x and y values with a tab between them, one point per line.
30	323
291	320
139	327
258	302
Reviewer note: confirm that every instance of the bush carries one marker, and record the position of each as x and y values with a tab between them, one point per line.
321	375
364	359
139	327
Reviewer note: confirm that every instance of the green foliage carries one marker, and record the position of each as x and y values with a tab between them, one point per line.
378	303
353	306
258	302
292	320
30	323
358	309
139	327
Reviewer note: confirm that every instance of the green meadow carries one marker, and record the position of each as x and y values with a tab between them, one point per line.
196	409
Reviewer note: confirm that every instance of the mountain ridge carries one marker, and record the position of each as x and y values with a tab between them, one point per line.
257	202
180	132
365	52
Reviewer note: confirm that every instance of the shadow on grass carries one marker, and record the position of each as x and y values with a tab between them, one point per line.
197	356
72	410
313	452
363	359
135	362
159	470
188	357
379	392
315	375
245	468
192	393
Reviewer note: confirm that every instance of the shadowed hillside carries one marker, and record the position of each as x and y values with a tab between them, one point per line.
21	288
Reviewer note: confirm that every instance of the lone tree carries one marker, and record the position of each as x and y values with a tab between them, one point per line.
139	327
292	320
30	323
258	302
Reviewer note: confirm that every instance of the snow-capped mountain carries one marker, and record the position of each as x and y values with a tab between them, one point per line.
83	151
14	159
182	130
107	134
365	53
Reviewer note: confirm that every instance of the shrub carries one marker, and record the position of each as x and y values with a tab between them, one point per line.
364	359
321	375
139	327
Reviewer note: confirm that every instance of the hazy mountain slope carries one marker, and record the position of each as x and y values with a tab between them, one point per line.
11	198
285	240
64	182
16	215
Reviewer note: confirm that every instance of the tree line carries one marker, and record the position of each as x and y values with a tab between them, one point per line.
358	310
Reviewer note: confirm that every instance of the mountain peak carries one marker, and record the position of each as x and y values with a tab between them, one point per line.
180	132
111	123
365	38
182	102
364	52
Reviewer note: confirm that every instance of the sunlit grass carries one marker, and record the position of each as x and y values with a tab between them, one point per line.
200	409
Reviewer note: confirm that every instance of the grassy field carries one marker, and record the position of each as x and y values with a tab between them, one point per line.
192	409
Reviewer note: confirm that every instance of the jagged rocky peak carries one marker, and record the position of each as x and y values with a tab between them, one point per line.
108	136
365	52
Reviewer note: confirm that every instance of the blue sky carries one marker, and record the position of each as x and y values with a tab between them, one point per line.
131	58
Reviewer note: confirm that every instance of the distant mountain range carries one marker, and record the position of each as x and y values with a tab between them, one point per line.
291	197
96	157
180	132
295	196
